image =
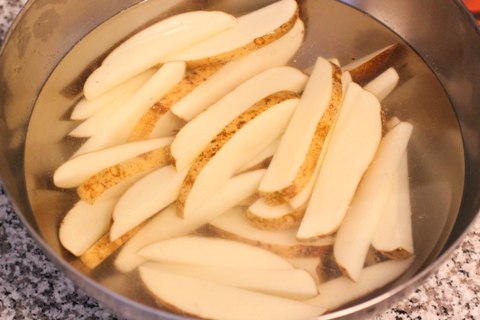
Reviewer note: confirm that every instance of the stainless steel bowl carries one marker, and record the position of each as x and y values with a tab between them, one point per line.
54	44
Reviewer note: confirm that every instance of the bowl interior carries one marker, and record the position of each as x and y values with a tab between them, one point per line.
436	155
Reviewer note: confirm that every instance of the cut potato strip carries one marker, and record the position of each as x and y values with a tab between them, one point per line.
209	300
357	230
84	224
130	59
87	108
261	159
238	143
288	215
143	129
103	248
384	84
168	125
337	292
233	225
75	171
220	253
294	284
294	162
367	68
193	138
252	31
356	136
238	71
116	131
393	235
166	224
97	184
148	196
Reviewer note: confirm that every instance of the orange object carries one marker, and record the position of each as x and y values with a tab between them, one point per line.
474	6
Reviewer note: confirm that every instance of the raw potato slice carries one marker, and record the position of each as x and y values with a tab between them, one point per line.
97	184
208	300
103	248
354	142
75	171
384	84
294	162
238	71
293	284
393	235
178	32
84	224
116	131
253	31
262	157
337	292
191	140
168	125
366	68
166	224
286	216
148	196
143	129
238	143
233	225
357	230
214	252
87	108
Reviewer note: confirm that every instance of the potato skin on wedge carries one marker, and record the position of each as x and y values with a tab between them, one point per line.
193	79
96	185
222	138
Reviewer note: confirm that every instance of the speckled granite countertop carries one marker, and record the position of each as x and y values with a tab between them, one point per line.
31	287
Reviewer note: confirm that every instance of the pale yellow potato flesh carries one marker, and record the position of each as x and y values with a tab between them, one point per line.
384	84
393	236
235	226
166	224
193	78
237	71
356	233
337	292
294	163
200	299
252	32
367	68
226	135
293	284
96	185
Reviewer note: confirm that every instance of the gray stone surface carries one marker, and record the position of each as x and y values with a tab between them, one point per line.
31	287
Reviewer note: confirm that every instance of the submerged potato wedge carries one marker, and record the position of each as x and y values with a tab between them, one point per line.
235	145
294	163
97	184
86	108
200	299
393	236
238	71
117	129
148	196
179	32
193	78
337	292
384	84
234	225
252	31
367	68
293	284
77	170
354	142
196	134
166	224
358	227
